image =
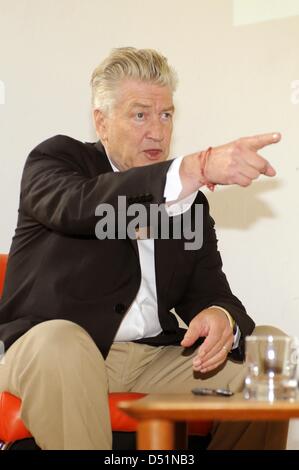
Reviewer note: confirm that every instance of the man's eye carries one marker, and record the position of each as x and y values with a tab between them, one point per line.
166	116
139	116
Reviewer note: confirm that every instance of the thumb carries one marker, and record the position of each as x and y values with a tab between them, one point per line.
269	170
190	337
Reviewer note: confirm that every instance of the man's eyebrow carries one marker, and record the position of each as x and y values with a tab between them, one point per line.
147	106
140	105
170	108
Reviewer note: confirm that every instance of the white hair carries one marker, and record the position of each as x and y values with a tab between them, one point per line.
146	65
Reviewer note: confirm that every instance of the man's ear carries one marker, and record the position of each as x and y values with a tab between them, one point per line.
100	124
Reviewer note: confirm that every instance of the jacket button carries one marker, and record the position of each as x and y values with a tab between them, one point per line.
148	197
120	308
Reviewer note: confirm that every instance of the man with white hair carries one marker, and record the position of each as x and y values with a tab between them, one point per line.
84	314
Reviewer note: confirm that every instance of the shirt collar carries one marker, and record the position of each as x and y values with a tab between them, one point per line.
114	168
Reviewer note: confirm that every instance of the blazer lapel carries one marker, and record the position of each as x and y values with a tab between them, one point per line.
106	164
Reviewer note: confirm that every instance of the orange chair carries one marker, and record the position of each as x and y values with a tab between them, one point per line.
12	428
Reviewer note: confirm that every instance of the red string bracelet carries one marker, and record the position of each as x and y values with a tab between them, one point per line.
204	155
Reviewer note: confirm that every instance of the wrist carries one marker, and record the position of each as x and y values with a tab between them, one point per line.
192	178
231	320
203	159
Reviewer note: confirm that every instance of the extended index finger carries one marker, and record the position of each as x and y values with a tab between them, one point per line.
257	142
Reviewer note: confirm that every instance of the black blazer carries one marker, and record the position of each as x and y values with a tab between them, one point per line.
58	269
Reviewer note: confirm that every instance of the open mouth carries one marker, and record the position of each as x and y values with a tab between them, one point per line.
153	154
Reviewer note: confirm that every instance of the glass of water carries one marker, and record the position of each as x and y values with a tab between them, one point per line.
271	368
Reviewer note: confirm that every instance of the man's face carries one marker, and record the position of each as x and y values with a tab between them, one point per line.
138	129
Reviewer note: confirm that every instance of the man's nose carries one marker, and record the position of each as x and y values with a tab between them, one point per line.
156	130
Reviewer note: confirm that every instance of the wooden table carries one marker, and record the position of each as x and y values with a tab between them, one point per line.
162	418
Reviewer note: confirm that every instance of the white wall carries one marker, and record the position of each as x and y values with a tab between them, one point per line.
234	80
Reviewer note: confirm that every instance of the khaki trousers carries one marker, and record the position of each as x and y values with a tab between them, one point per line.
63	381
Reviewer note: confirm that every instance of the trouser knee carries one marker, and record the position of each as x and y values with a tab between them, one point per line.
56	344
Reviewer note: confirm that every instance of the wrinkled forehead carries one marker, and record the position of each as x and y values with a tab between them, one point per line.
131	93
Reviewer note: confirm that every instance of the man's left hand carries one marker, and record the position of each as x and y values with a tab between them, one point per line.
214	325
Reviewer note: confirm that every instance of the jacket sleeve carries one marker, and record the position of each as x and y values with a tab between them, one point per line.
58	192
208	286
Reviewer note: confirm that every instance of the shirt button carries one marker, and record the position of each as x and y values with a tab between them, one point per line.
119	308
